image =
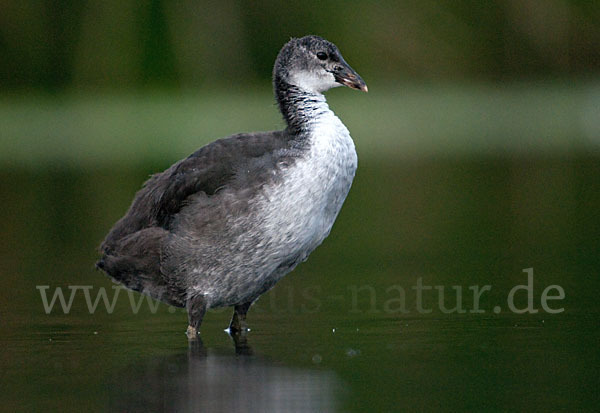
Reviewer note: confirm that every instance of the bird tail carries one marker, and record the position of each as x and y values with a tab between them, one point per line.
135	262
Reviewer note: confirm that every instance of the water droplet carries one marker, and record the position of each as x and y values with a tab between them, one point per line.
352	353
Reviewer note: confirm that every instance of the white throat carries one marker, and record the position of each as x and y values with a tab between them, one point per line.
314	82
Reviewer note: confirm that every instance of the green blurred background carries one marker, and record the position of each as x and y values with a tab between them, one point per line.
93	82
69	45
479	156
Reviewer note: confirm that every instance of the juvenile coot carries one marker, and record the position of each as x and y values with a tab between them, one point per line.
222	226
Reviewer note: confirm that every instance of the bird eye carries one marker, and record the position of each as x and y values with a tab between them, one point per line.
322	55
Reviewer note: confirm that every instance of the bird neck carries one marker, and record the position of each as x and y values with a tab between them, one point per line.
299	107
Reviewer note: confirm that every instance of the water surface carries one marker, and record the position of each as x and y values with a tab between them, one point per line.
343	332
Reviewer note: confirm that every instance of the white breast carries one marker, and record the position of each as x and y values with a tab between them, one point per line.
303	208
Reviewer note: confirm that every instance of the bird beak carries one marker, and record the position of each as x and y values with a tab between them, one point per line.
346	76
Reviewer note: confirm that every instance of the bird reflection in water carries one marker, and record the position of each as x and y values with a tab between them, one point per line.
208	379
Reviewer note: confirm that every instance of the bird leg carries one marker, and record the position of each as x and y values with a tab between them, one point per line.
238	321
196	308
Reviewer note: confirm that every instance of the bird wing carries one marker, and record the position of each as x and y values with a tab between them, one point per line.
206	170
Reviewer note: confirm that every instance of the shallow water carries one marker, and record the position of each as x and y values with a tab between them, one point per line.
346	331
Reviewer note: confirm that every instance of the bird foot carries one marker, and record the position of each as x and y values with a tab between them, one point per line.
237	328
191	333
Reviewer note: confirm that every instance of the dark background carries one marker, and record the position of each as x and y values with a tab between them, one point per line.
479	156
65	45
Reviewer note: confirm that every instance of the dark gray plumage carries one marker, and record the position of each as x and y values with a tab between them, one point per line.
222	226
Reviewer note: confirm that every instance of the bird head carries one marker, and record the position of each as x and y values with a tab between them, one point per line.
314	64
